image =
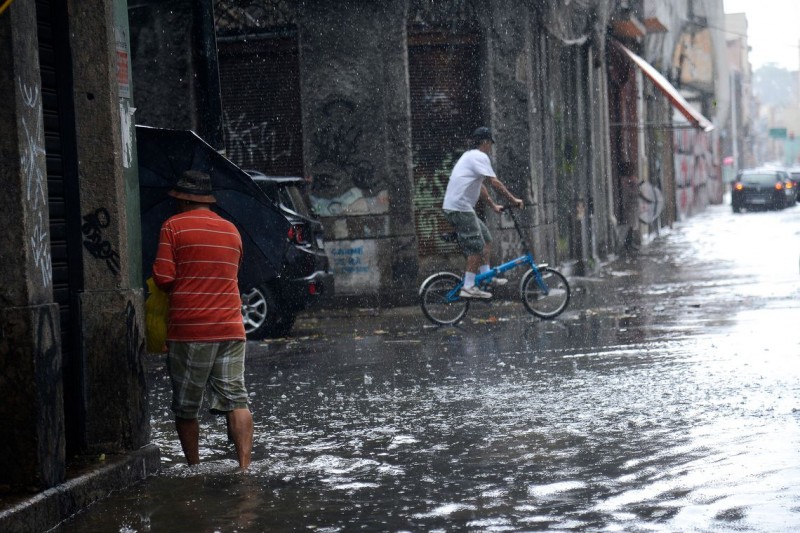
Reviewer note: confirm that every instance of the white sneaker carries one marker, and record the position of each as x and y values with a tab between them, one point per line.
474	292
499	282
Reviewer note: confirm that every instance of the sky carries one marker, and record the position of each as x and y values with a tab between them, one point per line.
773	30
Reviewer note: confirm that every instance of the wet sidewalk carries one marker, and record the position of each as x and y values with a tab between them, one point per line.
96	478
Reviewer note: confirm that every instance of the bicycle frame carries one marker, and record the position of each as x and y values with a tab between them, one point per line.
527	259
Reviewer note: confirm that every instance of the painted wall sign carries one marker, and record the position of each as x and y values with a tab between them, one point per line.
355	265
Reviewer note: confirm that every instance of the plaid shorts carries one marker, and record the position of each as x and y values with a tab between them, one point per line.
218	365
472	232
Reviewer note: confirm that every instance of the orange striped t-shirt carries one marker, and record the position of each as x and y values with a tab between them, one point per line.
197	263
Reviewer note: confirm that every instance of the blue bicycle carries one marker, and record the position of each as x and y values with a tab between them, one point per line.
544	290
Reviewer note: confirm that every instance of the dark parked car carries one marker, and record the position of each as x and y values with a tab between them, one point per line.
270	308
794	173
762	188
284	268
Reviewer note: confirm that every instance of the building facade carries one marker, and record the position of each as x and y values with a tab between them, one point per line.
71	306
691	51
373	103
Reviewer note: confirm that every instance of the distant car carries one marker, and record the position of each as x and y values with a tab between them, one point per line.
270	309
794	173
762	188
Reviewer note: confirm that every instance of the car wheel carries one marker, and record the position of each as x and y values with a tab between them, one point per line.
736	208
262	315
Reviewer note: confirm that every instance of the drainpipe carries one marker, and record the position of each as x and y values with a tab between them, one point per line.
642	171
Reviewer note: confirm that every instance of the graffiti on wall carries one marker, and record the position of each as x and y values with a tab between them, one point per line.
355	264
344	179
429	189
651	202
95	244
697	182
134	340
49	370
251	143
31	154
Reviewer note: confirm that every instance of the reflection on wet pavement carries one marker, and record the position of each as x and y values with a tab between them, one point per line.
665	399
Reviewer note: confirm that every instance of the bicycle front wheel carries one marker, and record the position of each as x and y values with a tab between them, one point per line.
439	299
538	303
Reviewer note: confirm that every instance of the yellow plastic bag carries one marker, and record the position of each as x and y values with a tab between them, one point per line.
156	310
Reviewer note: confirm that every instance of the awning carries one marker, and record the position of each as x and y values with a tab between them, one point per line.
675	98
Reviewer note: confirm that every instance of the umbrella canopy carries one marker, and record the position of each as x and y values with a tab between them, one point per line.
163	155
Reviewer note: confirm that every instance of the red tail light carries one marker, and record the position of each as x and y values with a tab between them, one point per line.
296	234
779	186
788	184
738	186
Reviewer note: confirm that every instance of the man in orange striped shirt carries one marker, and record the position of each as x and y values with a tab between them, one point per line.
197	263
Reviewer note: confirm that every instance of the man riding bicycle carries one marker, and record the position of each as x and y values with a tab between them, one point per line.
464	188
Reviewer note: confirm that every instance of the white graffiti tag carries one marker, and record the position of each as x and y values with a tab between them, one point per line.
254	144
41	250
31	163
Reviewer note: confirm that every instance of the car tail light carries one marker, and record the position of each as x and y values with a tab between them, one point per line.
313	289
297	234
789	185
738	186
779	186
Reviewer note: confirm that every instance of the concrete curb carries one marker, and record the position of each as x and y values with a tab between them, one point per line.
49	508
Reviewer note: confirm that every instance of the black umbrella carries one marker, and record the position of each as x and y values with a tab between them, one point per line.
164	155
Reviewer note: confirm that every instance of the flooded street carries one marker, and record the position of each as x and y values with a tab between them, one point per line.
666	398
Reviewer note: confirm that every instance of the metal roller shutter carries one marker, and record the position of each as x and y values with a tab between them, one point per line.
260	85
62	198
444	78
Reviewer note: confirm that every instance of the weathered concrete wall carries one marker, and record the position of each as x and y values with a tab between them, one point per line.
31	414
693	58
32	443
161	41
357	146
543	214
117	410
111	311
506	87
543	82
175	66
600	209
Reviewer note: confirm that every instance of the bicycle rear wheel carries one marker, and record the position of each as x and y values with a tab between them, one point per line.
439	300
536	302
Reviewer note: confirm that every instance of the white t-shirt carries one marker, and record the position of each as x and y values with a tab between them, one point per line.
464	186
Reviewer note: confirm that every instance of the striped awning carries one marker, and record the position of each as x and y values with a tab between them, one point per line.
695	118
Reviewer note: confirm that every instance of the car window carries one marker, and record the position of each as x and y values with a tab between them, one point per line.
270	190
291	197
760	178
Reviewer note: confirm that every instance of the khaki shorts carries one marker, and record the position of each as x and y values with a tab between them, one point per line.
472	232
193	366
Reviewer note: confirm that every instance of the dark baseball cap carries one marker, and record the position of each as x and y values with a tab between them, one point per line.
482	134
